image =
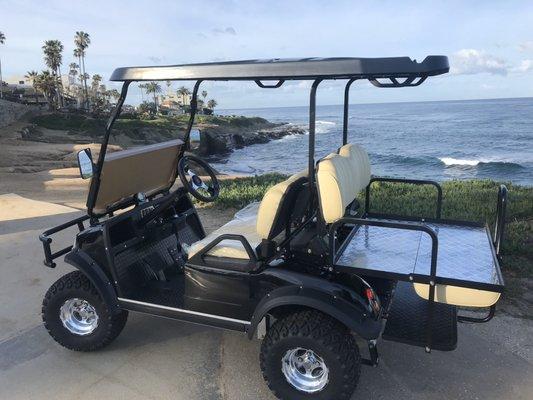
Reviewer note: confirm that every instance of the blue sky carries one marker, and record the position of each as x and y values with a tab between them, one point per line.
490	43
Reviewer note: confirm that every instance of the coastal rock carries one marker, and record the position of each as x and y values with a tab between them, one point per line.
31	132
11	112
215	140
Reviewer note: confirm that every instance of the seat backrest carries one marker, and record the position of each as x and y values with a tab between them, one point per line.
146	169
360	163
336	183
277	205
340	177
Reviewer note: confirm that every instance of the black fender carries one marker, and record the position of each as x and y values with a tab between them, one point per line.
328	300
83	262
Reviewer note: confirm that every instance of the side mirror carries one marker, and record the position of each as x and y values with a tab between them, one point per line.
85	163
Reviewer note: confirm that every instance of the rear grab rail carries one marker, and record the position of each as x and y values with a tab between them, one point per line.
46	239
398	225
410	182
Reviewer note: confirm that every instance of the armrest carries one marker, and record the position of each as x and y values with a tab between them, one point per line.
408	181
239	238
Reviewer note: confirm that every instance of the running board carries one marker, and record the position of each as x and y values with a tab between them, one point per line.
407	321
195	317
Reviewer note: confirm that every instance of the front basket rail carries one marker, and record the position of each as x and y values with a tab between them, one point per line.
46	239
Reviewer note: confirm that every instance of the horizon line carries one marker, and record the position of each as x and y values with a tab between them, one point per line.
387	102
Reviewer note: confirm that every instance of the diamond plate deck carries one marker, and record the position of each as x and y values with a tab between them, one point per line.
465	253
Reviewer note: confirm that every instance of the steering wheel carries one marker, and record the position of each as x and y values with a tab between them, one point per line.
189	168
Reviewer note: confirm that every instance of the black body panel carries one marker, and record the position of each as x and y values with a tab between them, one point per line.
80	260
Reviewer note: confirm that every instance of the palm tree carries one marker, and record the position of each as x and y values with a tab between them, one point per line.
154	88
184	93
53	59
211	104
73	71
96	81
2	41
142	86
204	94
82	41
77	53
113	93
47	83
32	77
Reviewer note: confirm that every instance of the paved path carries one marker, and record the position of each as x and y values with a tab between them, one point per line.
164	359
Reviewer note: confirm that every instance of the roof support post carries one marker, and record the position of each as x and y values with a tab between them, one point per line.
194	107
346	110
95	182
312	131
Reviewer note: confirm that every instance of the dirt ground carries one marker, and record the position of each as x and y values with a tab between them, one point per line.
162	359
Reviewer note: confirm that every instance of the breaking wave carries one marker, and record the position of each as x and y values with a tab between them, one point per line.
455	162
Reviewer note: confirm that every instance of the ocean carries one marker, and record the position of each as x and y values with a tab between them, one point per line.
427	140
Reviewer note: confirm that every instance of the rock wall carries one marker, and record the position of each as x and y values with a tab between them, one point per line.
223	140
11	112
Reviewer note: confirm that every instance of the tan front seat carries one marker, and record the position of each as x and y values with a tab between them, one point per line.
256	222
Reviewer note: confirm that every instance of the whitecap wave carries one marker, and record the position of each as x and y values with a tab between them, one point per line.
320	126
456	161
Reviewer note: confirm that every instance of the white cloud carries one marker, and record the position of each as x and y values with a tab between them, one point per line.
472	61
525	66
526	46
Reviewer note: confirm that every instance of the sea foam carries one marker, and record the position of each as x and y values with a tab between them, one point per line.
455	161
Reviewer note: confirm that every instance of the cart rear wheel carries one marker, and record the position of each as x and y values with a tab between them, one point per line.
76	316
309	355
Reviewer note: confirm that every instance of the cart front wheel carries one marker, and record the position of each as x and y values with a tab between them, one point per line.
309	355
76	316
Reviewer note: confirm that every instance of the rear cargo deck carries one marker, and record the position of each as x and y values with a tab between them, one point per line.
466	256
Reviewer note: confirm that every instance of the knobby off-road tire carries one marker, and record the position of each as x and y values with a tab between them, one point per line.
325	337
75	285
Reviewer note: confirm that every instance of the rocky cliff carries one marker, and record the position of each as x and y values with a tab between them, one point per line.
220	140
11	112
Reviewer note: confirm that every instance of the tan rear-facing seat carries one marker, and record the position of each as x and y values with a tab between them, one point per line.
340	178
360	163
338	184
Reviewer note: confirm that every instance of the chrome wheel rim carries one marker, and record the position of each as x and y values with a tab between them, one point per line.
305	370
78	316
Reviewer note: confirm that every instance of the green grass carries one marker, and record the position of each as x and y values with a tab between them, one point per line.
70	122
240	192
473	200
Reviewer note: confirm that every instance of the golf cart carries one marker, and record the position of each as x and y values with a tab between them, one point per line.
309	269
